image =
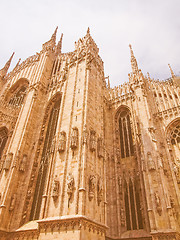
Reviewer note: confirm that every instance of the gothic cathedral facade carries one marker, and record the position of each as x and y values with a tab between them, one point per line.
81	160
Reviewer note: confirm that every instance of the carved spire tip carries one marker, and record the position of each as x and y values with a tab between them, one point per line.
172	73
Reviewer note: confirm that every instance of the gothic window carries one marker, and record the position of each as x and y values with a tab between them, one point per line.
175	135
45	159
126	141
18	97
3	139
132	205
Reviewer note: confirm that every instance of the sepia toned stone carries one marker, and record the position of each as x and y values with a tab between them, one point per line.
80	159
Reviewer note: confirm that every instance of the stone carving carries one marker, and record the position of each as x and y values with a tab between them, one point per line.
85	134
100	148
99	190
22	164
12	203
150	162
123	218
92	140
158	203
152	131
8	161
56	188
74	138
176	171
70	186
62	142
2	162
92	182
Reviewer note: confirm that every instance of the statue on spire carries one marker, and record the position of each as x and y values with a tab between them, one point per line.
4	70
172	73
134	64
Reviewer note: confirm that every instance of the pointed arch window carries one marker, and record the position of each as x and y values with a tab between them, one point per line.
126	141
45	160
18	98
132	204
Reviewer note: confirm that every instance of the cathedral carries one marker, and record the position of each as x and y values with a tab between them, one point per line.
80	160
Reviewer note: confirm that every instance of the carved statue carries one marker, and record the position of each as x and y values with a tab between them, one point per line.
92	182
62	142
151	163
158	203
22	164
152	131
70	186
99	190
8	161
56	186
12	203
74	138
85	134
92	140
100	148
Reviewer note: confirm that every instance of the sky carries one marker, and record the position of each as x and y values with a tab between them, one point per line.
152	27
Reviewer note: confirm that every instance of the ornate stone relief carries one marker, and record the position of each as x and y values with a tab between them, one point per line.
56	188
62	142
92	184
70	186
8	161
74	138
99	190
85	134
150	162
92	140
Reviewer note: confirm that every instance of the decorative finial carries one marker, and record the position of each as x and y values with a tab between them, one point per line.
88	31
148	76
59	45
4	70
134	64
18	63
54	34
172	73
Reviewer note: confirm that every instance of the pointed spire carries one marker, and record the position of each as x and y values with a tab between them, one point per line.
88	31
54	34
134	64
4	70
18	63
172	73
59	45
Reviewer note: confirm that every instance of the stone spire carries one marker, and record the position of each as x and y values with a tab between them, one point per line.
59	45
172	73
4	70
54	35
88	31
134	64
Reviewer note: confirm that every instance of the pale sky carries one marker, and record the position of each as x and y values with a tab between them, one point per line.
151	26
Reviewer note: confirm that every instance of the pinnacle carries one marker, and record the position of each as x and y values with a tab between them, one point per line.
54	34
88	30
172	73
